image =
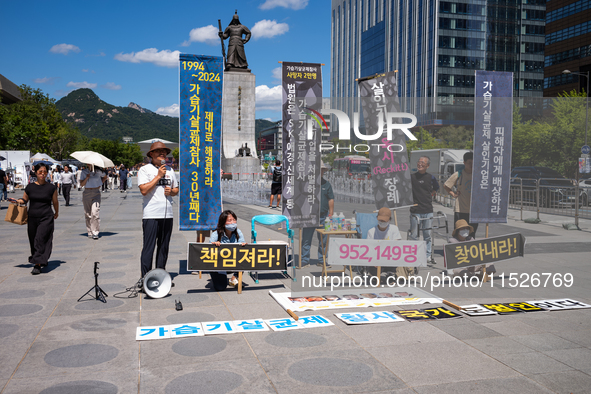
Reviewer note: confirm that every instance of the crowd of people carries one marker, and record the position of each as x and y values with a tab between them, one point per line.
158	184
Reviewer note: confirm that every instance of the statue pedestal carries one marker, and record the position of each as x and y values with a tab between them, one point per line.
242	168
238	114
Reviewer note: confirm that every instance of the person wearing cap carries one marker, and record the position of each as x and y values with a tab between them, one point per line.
388	231
92	181
462	180
123	173
158	185
326	209
463	233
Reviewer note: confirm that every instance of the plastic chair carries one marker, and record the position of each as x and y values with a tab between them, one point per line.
270	220
365	222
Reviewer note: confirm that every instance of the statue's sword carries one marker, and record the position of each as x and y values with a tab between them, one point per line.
222	39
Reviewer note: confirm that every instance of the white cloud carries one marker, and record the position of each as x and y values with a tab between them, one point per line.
48	81
111	86
268	98
276	74
86	70
64	49
206	34
80	85
293	4
268	29
172	110
164	58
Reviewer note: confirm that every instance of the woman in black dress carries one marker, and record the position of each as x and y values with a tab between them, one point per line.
41	194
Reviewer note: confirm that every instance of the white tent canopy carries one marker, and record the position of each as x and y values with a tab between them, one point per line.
145	145
43	156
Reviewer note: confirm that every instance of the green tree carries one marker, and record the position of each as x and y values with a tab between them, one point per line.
425	140
176	153
456	137
35	124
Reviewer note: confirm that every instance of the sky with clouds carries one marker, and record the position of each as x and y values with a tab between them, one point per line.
128	51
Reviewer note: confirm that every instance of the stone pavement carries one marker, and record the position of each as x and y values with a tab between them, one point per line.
50	343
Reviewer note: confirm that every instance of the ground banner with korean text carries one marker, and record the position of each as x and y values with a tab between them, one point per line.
200	129
233	257
302	131
493	125
390	171
374	252
483	251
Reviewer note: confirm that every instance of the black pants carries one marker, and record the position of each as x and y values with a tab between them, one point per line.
466	217
66	188
123	184
157	232
40	231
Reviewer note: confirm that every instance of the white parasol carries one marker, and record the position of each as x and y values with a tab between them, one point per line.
94	158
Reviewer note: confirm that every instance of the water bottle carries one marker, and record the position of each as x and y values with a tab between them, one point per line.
335	222
341	221
327	224
353	224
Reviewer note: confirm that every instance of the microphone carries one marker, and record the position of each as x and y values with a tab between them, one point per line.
162	162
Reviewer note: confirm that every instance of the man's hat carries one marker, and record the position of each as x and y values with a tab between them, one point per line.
384	214
461	224
157	145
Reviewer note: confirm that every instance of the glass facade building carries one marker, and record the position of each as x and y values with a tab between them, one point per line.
435	46
568	45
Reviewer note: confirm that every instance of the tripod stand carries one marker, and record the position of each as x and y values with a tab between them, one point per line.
99	293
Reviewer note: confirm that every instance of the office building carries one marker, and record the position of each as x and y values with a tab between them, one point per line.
435	47
568	45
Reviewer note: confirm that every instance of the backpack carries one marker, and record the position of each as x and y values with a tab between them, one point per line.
276	175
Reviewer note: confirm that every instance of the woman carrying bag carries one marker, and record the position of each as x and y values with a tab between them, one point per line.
42	195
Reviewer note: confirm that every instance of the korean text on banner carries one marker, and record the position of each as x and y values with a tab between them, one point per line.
302	132
390	171
200	129
491	168
233	257
483	251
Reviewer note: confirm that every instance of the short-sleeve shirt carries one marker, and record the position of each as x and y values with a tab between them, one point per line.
422	186
464	186
326	195
2	176
123	174
40	198
95	179
225	240
68	178
156	205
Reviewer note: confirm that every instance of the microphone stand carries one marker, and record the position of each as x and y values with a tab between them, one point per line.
99	293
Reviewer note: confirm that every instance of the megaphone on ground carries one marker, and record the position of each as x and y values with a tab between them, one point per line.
157	283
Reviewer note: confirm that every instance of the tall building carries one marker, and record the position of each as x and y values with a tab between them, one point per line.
435	47
568	45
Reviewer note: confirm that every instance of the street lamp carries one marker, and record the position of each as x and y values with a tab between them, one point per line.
586	75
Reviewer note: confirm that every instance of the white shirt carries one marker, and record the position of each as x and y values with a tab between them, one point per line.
391	233
95	178
67	178
156	205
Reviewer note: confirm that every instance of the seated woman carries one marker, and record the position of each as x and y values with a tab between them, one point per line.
386	230
462	233
227	232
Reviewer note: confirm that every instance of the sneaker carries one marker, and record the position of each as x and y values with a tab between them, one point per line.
36	270
89	235
233	282
95	236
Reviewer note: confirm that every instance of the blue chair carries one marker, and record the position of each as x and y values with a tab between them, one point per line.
271	220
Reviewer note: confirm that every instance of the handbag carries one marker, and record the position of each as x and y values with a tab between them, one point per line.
17	214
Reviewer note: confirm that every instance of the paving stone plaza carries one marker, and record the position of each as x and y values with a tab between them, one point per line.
50	343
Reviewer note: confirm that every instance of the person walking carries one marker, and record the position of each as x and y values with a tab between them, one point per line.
3	185
91	198
40	223
123	173
424	187
276	184
462	181
158	184
78	174
68	180
56	179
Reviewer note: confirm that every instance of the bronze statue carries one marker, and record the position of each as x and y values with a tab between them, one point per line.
236	56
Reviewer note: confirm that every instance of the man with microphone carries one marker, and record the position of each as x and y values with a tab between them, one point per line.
158	185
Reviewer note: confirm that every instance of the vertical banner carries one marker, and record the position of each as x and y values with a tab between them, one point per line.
302	135
200	128
390	172
493	125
